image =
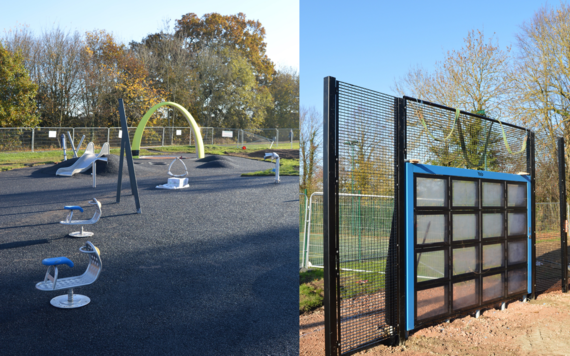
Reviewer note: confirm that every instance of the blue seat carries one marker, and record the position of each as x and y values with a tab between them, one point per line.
73	207
54	261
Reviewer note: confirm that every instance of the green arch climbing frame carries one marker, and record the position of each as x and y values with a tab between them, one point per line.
140	128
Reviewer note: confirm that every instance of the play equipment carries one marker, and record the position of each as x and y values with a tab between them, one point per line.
75	150
273	156
63	146
52	283
126	152
178	182
85	161
177	175
195	129
93	220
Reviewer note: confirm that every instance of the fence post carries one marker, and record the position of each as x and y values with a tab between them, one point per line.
109	135
563	217
398	221
330	217
163	136
276	137
33	134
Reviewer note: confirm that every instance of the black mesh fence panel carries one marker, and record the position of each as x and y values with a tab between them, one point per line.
548	238
366	204
436	137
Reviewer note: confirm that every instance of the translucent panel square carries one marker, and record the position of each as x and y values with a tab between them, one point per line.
517	252
516	224
464	294
493	256
431	302
493	225
492	287
464	260
464	193
431	192
431	229
431	265
493	194
465	227
517	281
516	195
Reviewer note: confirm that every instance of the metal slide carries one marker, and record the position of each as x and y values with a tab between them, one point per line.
85	161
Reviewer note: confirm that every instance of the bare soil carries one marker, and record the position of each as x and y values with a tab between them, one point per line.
538	327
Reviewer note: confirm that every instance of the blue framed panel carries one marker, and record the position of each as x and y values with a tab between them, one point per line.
413	171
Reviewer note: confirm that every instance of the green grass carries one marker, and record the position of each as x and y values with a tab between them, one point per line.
361	278
311	290
220	150
15	160
287	167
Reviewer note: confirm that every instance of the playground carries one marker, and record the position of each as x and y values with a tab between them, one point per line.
195	273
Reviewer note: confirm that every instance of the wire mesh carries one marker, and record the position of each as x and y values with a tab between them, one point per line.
15	139
48	138
97	135
366	205
466	142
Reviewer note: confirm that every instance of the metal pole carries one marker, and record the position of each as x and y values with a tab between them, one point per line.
563	217
63	146
330	218
358	227
277	138
94	173
109	135
33	134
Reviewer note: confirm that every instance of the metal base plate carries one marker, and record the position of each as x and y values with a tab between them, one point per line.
78	301
81	234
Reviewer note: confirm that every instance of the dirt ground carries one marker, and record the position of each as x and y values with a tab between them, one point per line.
286	153
538	327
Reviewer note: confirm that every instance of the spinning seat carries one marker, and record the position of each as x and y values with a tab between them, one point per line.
51	281
93	220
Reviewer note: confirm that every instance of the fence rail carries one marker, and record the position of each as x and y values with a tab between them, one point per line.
48	138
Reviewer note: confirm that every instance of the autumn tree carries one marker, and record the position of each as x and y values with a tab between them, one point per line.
169	64
235	32
227	94
17	92
285	92
111	72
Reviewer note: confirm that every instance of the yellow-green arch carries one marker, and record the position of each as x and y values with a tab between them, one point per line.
140	129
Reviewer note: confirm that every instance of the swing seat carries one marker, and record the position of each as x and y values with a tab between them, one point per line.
51	281
69	220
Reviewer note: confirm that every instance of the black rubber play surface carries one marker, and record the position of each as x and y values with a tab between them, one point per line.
208	270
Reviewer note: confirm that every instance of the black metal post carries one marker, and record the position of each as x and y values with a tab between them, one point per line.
563	217
330	217
126	148
531	168
400	148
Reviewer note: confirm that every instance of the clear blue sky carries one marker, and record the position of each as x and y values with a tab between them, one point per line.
372	43
133	20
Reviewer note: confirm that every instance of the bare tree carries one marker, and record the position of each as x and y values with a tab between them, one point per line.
542	73
310	150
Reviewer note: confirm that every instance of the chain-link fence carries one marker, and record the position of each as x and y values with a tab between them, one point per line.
49	138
